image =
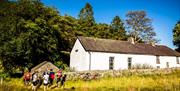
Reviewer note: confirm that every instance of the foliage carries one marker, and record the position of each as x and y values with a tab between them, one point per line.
140	27
61	65
159	80
33	38
31	32
117	29
142	66
176	36
86	17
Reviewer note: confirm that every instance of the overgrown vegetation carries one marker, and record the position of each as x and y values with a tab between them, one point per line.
158	80
31	32
142	66
176	35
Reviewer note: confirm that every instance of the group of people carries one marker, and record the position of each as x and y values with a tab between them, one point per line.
47	79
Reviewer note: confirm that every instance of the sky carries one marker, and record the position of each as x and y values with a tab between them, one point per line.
164	13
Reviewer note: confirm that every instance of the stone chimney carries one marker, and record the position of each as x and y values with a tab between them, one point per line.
131	40
153	43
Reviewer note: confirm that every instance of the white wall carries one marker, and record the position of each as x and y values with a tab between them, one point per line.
100	60
82	60
79	60
171	60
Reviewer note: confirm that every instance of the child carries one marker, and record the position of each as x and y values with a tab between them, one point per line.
51	77
45	80
27	78
63	81
34	80
59	75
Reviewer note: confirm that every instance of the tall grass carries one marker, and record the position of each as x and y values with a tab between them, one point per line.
10	84
132	83
135	82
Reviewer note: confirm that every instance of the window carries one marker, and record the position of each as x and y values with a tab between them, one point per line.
157	60
129	63
111	63
76	50
167	64
177	60
158	67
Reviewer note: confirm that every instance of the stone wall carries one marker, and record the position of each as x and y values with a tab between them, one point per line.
93	75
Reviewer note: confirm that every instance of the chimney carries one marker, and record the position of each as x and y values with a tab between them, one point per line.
153	44
131	40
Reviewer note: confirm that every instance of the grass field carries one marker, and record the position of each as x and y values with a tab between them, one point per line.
153	82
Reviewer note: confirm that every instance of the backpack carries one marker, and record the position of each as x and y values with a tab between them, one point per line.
59	74
27	76
51	75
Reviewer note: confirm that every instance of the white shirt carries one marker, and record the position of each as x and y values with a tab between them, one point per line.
46	78
35	77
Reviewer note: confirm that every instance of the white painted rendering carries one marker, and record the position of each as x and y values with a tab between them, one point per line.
83	60
100	60
172	61
79	58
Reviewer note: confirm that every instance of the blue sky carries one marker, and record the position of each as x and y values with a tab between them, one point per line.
164	13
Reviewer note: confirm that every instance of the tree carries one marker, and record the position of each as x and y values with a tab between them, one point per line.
176	36
117	29
86	20
101	30
140	27
86	15
31	34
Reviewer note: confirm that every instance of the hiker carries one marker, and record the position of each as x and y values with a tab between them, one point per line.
27	78
51	77
63	81
58	77
34	81
45	80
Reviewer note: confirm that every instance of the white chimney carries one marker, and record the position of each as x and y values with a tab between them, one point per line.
131	39
153	43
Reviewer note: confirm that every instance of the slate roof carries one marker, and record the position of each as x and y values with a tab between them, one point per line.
44	66
125	47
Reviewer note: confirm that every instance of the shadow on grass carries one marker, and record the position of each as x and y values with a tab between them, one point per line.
124	89
8	87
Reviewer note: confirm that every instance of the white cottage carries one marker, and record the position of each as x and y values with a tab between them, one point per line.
105	54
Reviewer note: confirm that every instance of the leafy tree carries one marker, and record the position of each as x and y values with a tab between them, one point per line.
86	20
31	34
101	30
140	27
176	36
86	15
117	29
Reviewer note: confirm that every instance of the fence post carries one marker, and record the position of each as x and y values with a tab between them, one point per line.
1	80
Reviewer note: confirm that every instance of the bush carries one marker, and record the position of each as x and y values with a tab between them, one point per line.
142	66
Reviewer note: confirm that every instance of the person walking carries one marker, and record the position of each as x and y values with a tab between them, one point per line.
58	77
27	78
34	81
63	81
51	77
45	80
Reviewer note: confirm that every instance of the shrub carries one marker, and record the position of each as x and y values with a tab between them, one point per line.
142	66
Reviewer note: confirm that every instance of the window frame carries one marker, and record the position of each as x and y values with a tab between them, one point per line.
158	60
167	64
177	60
129	62
111	63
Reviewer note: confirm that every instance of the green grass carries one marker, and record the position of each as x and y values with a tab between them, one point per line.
135	83
153	82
